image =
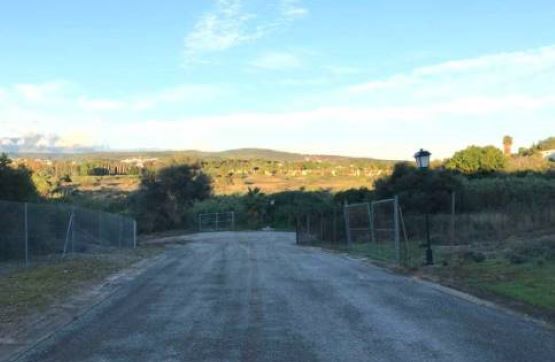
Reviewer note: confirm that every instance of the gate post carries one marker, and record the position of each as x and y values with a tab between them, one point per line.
347	224
396	227
26	234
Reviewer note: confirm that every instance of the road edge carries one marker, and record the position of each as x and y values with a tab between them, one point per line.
60	315
443	288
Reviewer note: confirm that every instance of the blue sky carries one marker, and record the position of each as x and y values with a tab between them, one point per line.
375	78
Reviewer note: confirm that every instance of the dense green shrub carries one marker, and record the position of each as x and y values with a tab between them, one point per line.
431	190
352	196
507	191
165	195
16	183
476	159
256	209
419	190
289	205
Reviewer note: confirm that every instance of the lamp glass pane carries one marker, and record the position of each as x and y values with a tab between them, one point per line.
424	161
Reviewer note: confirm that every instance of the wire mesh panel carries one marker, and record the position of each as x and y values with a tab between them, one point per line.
48	229
386	230
38	232
358	221
328	227
395	231
12	231
216	221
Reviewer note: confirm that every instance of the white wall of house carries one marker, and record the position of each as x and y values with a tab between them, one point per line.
549	154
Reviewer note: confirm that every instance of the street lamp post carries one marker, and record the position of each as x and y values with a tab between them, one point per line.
422	158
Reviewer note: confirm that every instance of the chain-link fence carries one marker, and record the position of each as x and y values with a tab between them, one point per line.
34	232
216	221
376	230
327	226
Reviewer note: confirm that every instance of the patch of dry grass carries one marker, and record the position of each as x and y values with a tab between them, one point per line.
32	288
273	184
105	188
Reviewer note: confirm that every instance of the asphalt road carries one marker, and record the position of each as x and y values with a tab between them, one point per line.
259	297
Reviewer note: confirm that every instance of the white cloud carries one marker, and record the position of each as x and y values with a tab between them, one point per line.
39	92
276	61
342	70
492	67
100	104
387	132
35	109
443	107
184	94
47	142
292	9
304	82
233	23
226	27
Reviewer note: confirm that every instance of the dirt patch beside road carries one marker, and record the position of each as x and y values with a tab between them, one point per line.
37	299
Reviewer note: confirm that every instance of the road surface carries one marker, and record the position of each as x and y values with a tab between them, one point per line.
258	297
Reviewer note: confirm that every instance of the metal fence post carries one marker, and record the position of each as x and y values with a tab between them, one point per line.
370	220
120	236
134	233
68	235
99	226
452	221
73	211
347	224
335	224
26	206
396	228
321	227
297	230
372	231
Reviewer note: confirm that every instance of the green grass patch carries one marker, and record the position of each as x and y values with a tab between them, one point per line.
37	286
411	253
532	283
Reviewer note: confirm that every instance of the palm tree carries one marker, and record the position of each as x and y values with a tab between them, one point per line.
507	144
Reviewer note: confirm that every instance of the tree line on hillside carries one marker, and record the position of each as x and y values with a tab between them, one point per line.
54	178
172	197
419	192
215	168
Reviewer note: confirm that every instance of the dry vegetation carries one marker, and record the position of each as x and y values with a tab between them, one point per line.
25	290
113	188
272	184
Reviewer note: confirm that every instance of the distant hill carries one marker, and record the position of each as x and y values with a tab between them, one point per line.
241	154
257	154
546	144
